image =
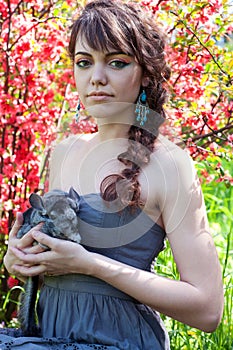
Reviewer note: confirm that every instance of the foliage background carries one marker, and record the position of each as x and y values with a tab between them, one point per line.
38	99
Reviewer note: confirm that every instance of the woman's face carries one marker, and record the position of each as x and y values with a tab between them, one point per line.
105	77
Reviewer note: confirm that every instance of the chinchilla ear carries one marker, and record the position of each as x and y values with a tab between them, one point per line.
37	202
74	195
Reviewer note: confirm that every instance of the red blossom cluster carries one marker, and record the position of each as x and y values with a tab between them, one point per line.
12	282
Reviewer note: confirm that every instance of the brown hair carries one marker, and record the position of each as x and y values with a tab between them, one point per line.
114	24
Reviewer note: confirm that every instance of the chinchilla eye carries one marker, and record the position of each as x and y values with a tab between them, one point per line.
52	215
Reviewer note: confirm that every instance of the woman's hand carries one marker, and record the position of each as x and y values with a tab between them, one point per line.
64	257
25	244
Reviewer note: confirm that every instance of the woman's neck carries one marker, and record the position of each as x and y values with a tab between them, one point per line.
113	119
113	131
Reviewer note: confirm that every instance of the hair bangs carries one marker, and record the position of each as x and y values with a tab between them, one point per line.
101	33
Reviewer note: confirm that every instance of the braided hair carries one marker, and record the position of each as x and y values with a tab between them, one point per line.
128	28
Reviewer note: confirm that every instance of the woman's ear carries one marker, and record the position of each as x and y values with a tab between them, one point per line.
145	81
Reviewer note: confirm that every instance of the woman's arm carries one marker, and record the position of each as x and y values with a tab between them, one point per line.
196	301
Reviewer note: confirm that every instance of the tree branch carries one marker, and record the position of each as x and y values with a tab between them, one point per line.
205	47
29	29
212	133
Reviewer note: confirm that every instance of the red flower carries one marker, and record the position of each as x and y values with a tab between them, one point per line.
12	282
14	314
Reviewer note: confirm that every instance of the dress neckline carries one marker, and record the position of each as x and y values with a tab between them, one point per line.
139	210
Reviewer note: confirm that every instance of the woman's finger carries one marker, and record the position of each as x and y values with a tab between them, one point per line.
30	259
17	224
28	239
34	249
29	270
45	240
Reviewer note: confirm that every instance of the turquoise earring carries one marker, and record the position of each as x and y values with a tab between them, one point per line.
142	109
77	111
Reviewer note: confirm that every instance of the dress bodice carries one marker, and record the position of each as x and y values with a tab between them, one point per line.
127	235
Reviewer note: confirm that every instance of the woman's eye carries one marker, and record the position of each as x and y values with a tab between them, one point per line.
83	63
118	64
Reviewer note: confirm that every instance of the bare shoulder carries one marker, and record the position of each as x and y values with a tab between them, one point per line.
165	151
69	147
172	164
174	185
66	153
73	142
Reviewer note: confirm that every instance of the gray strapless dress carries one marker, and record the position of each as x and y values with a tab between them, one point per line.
83	312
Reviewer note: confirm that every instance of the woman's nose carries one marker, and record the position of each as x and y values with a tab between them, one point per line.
98	76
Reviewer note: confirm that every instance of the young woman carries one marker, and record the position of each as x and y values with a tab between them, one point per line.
136	189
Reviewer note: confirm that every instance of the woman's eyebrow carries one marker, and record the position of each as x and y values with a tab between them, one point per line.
107	54
83	53
117	53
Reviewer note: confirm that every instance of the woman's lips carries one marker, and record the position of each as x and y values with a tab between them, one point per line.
99	96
